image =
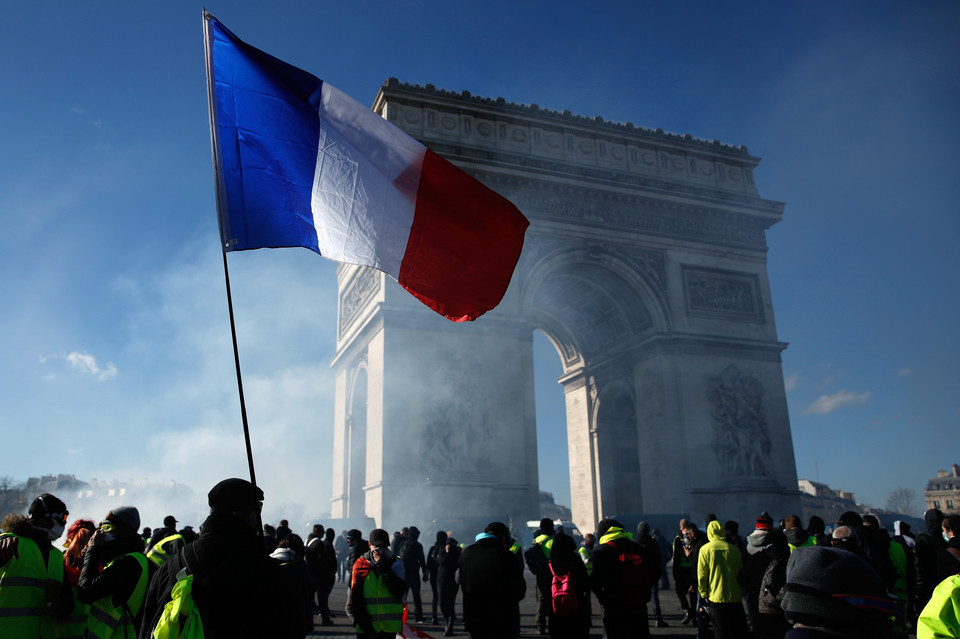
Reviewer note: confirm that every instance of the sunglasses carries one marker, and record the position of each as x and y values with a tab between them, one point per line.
106	526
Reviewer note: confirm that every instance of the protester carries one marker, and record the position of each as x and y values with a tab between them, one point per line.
653	562
684	575
537	557
358	547
164	542
568	618
115	595
492	585
941	616
433	559
296	589
832	593
769	621
414	563
343	551
448	565
78	535
27	553
235	582
377	590
718	572
621	582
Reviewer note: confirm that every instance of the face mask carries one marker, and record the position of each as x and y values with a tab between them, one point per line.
945	538
54	533
108	537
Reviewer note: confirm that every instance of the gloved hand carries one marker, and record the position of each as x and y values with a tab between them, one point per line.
9	548
426	576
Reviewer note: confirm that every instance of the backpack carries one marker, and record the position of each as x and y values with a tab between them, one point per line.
180	618
562	594
634	579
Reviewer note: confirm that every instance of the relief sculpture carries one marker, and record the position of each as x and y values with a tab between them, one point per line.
740	437
455	432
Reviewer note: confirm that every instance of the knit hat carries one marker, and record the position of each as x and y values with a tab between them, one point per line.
546	526
764	521
851	519
235	495
379	538
832	588
125	516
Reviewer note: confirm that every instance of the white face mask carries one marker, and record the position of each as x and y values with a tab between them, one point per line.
945	538
57	530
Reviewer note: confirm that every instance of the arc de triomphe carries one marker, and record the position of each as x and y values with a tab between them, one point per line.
645	265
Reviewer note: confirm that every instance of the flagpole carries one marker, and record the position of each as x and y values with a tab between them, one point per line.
223	222
236	359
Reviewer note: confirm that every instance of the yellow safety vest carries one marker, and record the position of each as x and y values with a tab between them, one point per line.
546	544
23	591
157	554
106	621
385	610
73	625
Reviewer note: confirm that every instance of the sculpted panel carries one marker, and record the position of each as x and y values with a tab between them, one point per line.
740	438
722	294
456	436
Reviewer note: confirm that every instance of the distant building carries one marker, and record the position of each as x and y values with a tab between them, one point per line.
943	491
825	502
549	508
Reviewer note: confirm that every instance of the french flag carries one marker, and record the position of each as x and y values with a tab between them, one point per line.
299	163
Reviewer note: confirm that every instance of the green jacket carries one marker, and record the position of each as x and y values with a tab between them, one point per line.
718	568
941	616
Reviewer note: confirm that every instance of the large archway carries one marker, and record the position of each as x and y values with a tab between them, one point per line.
645	265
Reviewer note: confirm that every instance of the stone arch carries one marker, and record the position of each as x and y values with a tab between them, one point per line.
644	265
589	307
617	450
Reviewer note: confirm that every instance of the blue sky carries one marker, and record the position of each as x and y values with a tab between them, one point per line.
116	357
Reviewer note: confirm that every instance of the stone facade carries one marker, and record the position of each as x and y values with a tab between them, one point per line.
645	265
943	491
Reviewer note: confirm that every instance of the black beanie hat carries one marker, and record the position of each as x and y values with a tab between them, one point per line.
546	526
832	588
235	495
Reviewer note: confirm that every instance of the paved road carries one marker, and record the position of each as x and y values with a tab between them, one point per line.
342	627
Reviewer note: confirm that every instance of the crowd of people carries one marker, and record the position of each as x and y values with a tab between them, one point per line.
239	577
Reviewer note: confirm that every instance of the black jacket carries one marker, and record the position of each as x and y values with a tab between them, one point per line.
235	583
493	586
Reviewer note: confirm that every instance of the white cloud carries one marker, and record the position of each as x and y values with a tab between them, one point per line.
826	404
84	364
790	383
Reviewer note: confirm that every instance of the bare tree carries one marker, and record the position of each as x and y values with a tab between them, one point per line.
902	500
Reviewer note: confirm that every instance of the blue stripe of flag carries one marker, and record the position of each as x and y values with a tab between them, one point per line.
268	129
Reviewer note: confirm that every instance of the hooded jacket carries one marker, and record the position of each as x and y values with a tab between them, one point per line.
718	568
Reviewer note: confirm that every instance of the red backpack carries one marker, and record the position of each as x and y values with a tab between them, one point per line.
562	594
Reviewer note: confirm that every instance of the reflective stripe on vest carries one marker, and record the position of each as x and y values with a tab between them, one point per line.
105	621
385	610
157	554
73	625
23	590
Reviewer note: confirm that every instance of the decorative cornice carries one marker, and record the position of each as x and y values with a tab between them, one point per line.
563	117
